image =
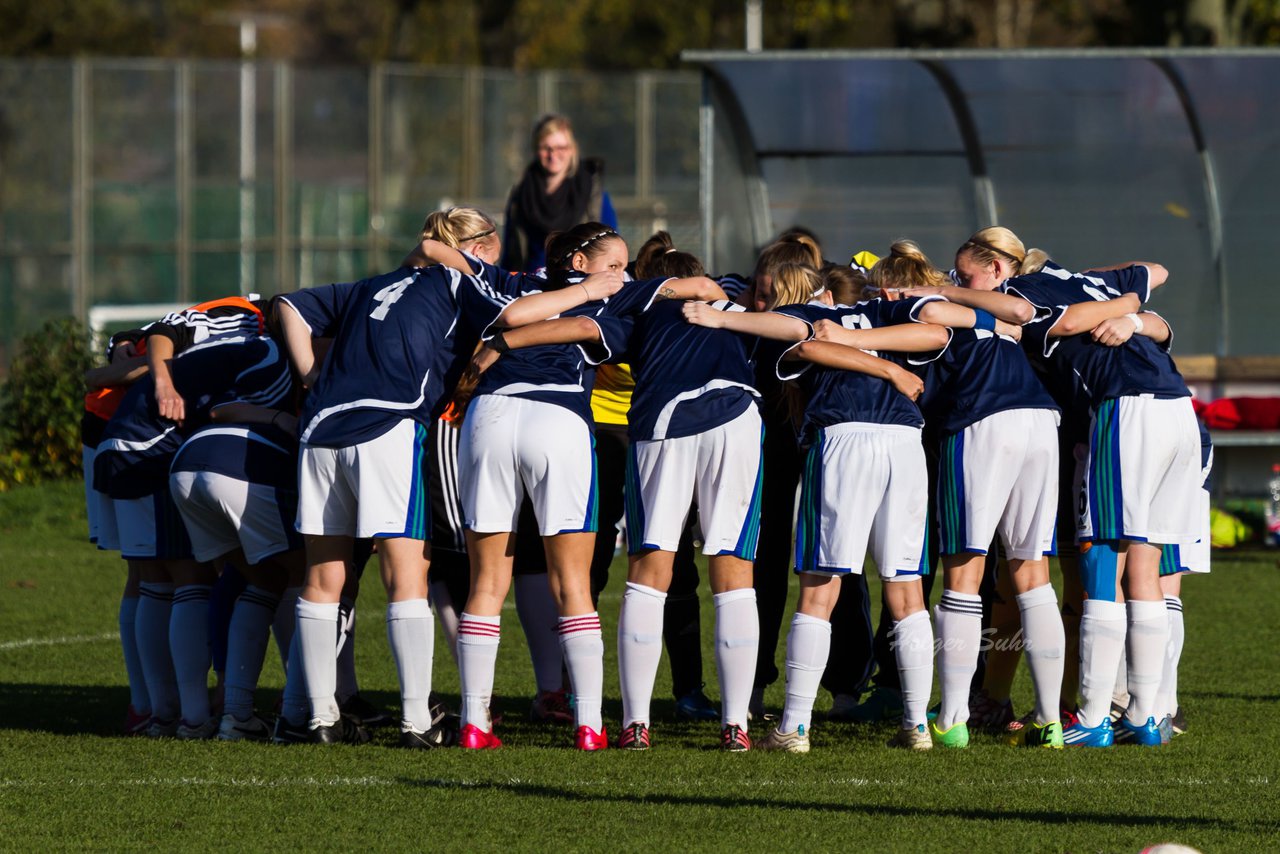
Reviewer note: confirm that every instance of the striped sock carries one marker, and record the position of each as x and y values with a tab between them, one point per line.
247	638
959	617
151	628
189	646
477	654
582	645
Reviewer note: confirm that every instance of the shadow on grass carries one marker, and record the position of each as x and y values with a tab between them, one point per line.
738	801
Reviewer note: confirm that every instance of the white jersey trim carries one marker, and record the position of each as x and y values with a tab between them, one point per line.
668	412
367	403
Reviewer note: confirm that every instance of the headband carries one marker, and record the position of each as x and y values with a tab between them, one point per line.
987	246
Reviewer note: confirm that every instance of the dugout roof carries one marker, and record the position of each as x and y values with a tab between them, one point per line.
1097	156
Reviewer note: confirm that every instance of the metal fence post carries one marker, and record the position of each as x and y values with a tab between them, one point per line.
283	110
645	148
81	189
183	139
377	115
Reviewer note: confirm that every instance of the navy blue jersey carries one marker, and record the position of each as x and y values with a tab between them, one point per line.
550	373
734	285
504	282
254	453
138	445
980	373
1082	369
834	396
395	353
689	379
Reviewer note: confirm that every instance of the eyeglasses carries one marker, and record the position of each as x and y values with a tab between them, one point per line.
554	149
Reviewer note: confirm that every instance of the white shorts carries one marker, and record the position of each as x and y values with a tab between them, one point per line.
375	489
1142	472
510	447
151	528
1195	556
99	506
720	469
1000	475
864	485
223	514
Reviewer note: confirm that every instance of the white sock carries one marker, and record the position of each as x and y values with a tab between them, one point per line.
412	635
913	647
346	686
808	647
583	647
138	697
295	706
151	631
446	615
538	617
1148	640
189	646
285	622
639	649
247	638
1120	693
1045	642
477	655
959	617
1102	631
737	642
317	639
1167	700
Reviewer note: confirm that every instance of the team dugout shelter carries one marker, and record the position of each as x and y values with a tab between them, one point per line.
1096	156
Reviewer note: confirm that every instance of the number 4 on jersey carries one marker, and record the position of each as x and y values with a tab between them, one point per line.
387	297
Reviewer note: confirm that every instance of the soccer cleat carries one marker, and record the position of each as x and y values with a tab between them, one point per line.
1027	733
634	737
287	733
1144	735
915	738
1178	722
1117	712
882	704
1067	715
1166	729
988	714
364	713
429	740
696	706
344	731
1079	735
252	728
785	742
955	736
474	738
551	707
734	739
135	722
589	739
161	729
197	732
843	708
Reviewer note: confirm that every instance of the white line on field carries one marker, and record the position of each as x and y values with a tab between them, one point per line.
370	781
67	639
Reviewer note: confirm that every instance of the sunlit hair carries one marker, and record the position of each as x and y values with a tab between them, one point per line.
789	249
997	242
556	123
794	284
589	238
845	283
659	258
460	227
906	266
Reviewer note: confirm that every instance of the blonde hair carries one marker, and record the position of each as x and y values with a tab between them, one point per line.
845	283
458	225
793	284
996	242
789	249
906	266
556	123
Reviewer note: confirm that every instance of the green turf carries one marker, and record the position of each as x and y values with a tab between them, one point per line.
67	782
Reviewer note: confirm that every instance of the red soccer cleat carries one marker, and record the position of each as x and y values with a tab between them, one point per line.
589	739
474	738
136	723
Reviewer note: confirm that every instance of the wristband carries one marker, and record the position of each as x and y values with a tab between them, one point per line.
984	320
499	344
1137	323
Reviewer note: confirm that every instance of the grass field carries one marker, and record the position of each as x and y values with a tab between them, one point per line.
67	782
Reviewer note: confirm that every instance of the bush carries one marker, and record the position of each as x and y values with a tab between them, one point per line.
41	404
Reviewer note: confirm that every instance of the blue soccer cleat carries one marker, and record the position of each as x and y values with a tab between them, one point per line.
1079	735
1145	735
